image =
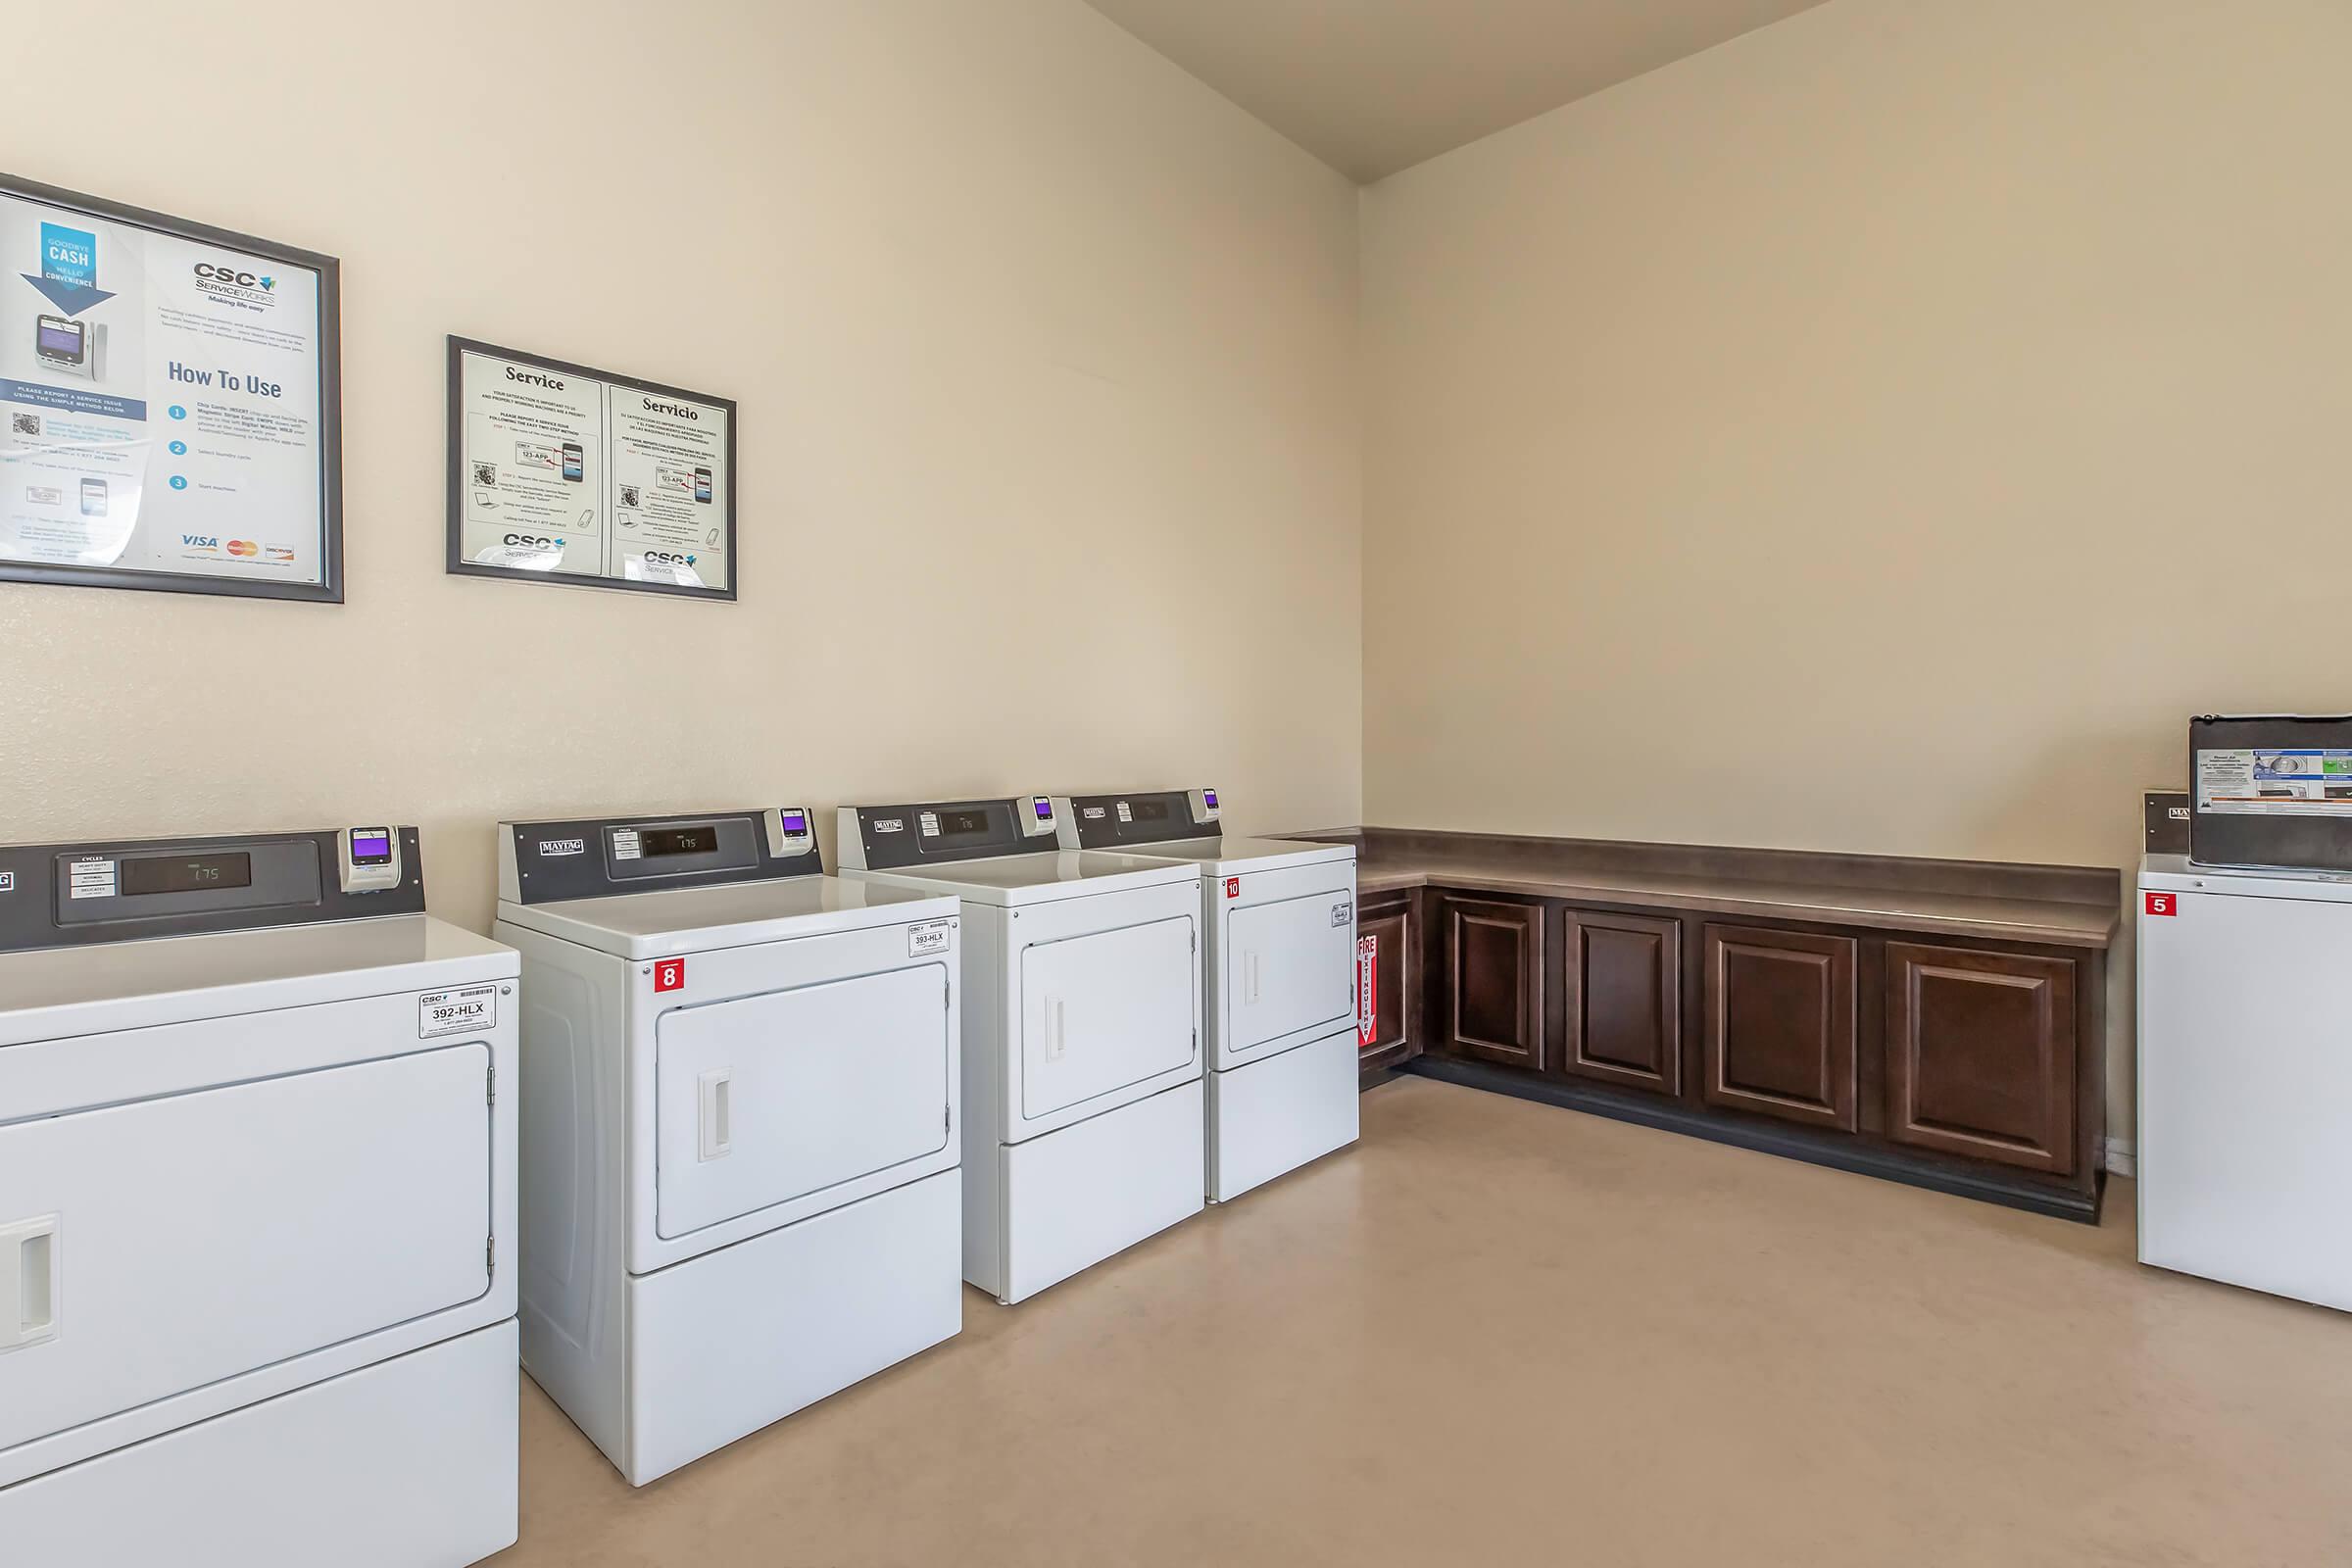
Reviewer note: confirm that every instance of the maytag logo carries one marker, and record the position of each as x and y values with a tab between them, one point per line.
890	824
553	847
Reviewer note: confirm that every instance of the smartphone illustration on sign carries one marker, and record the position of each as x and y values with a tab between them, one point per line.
574	461
701	484
93	498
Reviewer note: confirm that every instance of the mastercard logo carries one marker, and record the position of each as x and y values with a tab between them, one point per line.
243	547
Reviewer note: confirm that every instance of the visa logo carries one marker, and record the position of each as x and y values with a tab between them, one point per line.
198	541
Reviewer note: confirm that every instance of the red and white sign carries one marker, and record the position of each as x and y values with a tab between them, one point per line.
1232	886
2163	903
670	975
1367	991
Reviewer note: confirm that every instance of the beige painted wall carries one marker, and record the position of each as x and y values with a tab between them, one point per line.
1878	433
988	280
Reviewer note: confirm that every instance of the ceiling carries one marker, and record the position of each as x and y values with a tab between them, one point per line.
1372	86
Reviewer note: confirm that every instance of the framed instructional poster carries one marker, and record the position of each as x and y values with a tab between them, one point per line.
560	474
170	403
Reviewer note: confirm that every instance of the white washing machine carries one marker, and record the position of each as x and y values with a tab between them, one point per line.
1081	1028
741	1089
1279	971
257	1209
2245	1076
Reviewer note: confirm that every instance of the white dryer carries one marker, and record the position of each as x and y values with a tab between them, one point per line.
1081	1027
741	1187
1280	970
257	1207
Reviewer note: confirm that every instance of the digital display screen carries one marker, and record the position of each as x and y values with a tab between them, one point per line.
185	873
796	822
1208	798
964	821
660	841
63	341
370	846
1045	808
1148	811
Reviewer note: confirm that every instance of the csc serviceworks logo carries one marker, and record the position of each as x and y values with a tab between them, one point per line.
235	282
230	275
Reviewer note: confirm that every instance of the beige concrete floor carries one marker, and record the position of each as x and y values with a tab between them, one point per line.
1501	1333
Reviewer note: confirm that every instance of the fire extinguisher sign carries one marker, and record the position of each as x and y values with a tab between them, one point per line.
1367	990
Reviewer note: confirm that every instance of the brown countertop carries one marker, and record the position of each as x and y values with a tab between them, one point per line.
2060	906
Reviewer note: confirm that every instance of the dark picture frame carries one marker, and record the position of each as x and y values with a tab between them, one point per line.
455	562
330	351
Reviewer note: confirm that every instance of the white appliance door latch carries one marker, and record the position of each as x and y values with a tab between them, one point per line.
716	1093
1057	1029
28	1282
1248	977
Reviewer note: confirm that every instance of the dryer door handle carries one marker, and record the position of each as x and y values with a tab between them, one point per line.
27	1282
717	1113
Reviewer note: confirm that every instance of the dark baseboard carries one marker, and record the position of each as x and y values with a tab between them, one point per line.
1790	1143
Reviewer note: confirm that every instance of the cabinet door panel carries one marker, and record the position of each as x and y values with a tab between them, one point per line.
1494	980
1981	1055
1397	984
1624	980
1780	1036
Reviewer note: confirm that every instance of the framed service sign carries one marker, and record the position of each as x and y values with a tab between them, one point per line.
560	474
169	399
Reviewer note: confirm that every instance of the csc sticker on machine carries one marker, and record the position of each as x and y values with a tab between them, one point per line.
456	1013
931	935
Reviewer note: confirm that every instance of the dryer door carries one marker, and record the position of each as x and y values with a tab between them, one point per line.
166	1243
1290	966
1105	1011
771	1098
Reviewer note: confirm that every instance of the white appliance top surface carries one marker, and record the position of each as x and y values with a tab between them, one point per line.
2173	873
54	992
733	914
1009	879
1235	856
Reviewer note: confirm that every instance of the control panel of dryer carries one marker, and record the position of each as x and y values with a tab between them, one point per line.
1146	817
893	838
595	858
67	895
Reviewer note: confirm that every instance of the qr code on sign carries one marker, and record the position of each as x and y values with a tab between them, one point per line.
628	495
24	425
486	473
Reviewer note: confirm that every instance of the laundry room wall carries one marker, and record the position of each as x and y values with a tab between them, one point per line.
1879	434
1045	357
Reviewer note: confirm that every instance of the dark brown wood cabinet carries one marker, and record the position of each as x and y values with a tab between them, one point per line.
1622	976
1396	983
1493	999
1780	1024
1982	1054
1933	1022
